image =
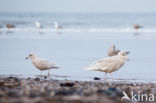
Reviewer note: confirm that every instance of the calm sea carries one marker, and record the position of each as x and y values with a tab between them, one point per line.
84	39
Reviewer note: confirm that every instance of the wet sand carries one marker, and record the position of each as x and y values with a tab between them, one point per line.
44	90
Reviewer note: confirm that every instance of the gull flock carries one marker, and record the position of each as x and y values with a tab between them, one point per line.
109	64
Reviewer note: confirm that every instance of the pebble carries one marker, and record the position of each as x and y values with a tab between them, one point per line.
97	78
37	79
67	84
65	91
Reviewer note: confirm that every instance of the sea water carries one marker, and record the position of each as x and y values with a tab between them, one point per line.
85	38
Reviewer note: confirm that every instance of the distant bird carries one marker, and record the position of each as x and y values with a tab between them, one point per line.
57	26
38	25
135	26
109	64
42	64
112	51
9	26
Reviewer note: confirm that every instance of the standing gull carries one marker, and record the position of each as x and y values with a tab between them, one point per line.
112	51
42	64
9	26
109	64
38	25
57	26
135	26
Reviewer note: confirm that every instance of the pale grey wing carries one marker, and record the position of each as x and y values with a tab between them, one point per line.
104	60
47	64
103	64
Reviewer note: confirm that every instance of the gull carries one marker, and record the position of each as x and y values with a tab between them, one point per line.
135	26
112	51
9	26
109	64
57	26
42	64
38	25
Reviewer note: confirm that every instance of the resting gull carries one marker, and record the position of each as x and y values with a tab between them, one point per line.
112	51
137	26
9	26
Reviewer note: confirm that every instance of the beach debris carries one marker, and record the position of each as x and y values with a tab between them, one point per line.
31	91
97	78
109	64
42	64
37	79
67	84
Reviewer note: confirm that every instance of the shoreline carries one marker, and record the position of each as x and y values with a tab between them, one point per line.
44	90
82	79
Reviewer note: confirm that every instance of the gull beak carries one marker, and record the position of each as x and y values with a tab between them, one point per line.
127	53
26	57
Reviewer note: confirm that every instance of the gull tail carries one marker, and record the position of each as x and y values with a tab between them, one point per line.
92	68
56	67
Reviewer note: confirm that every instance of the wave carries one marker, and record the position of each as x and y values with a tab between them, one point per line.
77	30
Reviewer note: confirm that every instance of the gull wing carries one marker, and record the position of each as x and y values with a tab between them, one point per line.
103	64
47	64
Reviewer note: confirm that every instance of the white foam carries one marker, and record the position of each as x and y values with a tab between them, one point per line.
78	30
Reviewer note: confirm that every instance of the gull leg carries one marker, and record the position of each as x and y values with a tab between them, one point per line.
48	72
41	73
105	75
111	76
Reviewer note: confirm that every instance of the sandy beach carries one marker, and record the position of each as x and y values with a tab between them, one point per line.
84	51
43	90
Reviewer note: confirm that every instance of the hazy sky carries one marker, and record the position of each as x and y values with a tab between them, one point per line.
78	6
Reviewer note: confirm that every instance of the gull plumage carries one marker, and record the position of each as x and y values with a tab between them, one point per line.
42	64
109	64
112	51
9	26
57	26
135	26
38	25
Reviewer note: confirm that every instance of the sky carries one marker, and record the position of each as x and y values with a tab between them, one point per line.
136	6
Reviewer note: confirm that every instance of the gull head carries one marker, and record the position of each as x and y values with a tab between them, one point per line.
55	23
37	23
112	47
123	55
31	56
